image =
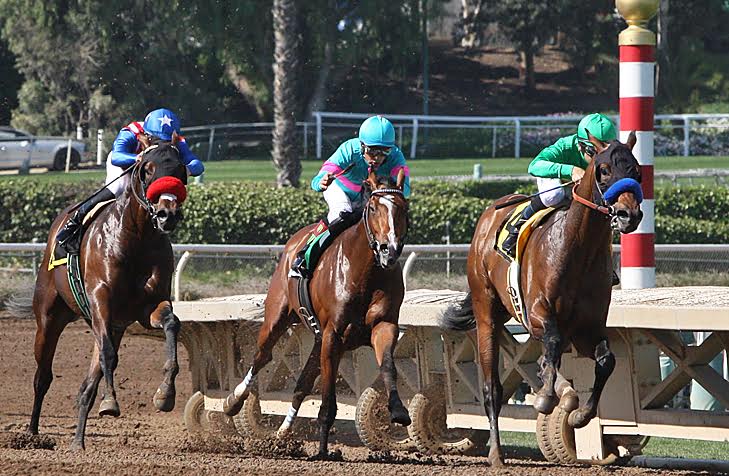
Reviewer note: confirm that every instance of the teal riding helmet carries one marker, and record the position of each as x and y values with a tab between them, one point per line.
599	125
377	130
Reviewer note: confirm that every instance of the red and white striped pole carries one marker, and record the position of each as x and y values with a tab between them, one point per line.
637	82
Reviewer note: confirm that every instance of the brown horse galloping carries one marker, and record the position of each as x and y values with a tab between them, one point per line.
126	262
356	298
566	273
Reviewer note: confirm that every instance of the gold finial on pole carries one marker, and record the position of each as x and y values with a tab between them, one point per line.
637	13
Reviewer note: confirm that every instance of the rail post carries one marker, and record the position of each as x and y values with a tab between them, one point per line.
178	272
686	136
637	45
211	141
318	134
99	146
68	155
414	144
517	138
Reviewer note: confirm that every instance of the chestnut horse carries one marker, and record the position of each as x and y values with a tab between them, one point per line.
126	262
356	297
566	272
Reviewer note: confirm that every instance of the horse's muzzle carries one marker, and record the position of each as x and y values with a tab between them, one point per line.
166	219
626	220
386	255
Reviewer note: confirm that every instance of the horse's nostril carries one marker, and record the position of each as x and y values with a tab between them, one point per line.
623	214
162	214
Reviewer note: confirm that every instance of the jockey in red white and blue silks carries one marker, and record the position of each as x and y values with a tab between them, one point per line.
345	192
159	123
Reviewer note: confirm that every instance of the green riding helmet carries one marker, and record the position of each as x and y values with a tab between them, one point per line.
599	125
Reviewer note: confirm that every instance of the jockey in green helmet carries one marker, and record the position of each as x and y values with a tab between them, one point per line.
563	161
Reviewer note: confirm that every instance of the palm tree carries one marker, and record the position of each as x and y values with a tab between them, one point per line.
286	154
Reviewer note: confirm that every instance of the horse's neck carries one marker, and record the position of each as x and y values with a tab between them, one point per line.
355	239
587	227
135	223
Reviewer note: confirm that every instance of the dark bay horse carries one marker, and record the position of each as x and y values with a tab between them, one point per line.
355	295
566	276
127	264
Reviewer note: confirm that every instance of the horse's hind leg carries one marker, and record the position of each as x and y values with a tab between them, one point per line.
604	366
485	309
271	331
303	387
384	338
46	339
550	361
164	398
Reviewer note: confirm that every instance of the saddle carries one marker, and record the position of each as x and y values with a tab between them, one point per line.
513	283
58	254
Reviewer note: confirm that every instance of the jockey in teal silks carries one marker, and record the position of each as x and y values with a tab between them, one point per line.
561	162
340	180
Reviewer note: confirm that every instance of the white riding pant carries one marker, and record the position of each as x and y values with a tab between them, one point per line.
112	172
338	202
553	197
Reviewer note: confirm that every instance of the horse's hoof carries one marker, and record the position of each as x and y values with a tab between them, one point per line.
164	401
401	417
580	418
545	404
109	407
77	446
335	455
569	401
496	459
232	404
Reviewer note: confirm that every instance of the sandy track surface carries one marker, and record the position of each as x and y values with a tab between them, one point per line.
143	441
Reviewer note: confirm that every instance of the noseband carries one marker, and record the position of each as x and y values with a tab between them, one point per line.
374	245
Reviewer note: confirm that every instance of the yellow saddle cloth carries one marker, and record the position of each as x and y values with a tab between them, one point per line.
524	232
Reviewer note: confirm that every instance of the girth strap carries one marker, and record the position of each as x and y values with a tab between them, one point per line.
77	286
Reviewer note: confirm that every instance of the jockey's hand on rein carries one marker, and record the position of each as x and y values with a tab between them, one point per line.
577	173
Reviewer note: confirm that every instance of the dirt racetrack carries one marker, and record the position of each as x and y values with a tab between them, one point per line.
143	441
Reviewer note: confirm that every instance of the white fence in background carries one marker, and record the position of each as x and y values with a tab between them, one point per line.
676	258
454	136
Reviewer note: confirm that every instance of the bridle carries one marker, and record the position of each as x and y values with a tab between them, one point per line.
138	183
373	243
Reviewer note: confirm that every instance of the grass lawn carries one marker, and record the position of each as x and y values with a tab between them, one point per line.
263	170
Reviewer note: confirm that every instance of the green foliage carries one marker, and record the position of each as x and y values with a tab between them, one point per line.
257	213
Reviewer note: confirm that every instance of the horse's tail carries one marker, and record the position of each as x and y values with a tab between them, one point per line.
20	304
458	316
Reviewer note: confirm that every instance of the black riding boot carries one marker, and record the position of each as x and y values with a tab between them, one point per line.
510	241
69	237
299	266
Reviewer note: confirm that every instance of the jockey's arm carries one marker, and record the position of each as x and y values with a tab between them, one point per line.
123	151
335	164
194	165
554	161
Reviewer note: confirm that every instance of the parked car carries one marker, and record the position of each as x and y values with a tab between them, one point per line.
17	146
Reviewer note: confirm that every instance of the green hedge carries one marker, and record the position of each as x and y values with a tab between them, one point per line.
256	213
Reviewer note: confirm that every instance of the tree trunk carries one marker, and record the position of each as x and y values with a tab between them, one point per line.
526	69
244	87
286	155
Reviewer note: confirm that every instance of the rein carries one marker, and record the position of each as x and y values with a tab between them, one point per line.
365	216
607	210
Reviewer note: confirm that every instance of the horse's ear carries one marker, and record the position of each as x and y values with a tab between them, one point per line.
175	138
371	180
599	145
144	140
400	179
632	139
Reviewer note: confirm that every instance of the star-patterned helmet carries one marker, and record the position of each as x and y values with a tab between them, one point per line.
162	123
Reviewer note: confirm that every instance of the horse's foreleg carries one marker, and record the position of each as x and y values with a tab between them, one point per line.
551	359
331	354
46	338
269	334
303	387
86	397
604	366
384	338
164	398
